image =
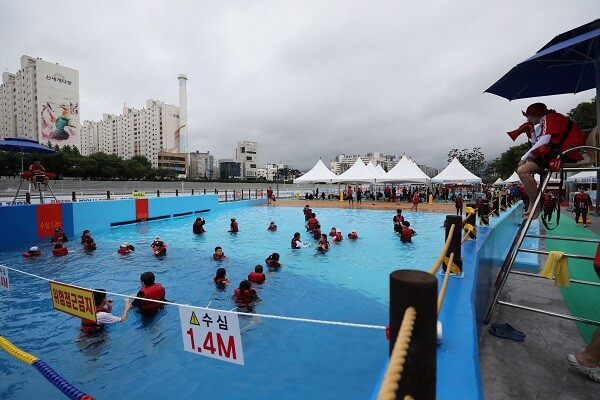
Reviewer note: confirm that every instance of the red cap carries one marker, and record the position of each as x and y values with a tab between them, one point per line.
536	109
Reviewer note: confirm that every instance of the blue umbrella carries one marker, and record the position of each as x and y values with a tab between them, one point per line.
23	145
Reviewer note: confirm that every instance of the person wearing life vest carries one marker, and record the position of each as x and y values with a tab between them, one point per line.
269	195
312	222
549	206
272	227
125	248
32	252
257	276
159	248
198	227
397	220
458	202
582	201
221	279
89	244
407	233
323	244
558	134
218	255
104	314
59	236
338	236
353	235
332	232
233	227
416	199
273	261
60	250
84	235
317	232
151	291
245	296
350	196
296	242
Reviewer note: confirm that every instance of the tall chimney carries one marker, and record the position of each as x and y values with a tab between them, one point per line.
183	136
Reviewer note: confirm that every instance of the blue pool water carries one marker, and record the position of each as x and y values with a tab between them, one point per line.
283	359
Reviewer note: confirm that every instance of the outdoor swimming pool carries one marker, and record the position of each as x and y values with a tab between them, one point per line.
283	359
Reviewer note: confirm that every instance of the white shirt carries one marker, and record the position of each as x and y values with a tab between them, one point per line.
106	318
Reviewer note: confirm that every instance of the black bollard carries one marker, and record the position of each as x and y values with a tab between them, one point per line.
455	244
28	198
192	192
417	289
226	194
176	192
73	196
470	222
484	213
204	190
495	211
502	202
108	195
158	193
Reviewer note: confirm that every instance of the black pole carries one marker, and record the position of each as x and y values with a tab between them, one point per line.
108	195
204	190
28	198
192	192
226	195
176	192
73	196
158	193
456	241
418	289
484	213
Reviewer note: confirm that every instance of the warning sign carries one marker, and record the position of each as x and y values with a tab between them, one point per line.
211	333
4	277
71	300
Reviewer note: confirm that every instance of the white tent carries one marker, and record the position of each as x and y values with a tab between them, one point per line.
406	171
318	173
377	172
456	174
514	178
583	177
499	181
356	173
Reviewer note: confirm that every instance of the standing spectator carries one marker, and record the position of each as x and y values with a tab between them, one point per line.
549	206
582	201
458	202
415	201
350	196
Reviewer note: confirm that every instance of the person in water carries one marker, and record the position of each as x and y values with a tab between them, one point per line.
125	248
297	243
323	244
84	235
198	227
221	279
89	244
218	255
332	232
60	250
257	276
152	291
233	227
272	227
245	296
32	252
273	261
104	314
407	233
159	249
338	236
59	236
353	235
317	232
397	220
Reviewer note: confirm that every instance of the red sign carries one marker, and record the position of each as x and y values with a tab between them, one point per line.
49	217
141	209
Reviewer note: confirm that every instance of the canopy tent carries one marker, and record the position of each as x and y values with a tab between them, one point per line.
499	181
381	172
318	173
583	177
357	173
406	171
456	174
514	178
378	172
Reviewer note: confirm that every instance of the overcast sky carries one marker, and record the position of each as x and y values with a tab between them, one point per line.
305	79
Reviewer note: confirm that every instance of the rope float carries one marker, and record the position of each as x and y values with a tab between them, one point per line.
52	376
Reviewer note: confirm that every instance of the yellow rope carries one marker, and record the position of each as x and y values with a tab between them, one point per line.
440	259
393	374
464	237
444	284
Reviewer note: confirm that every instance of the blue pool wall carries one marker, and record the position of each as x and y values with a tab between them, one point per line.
465	304
20	221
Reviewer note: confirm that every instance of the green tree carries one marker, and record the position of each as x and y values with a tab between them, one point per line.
473	159
584	114
506	164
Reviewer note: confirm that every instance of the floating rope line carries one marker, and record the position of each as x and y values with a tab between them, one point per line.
65	387
314	321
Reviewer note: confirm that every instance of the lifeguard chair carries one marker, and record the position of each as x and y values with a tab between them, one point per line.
38	181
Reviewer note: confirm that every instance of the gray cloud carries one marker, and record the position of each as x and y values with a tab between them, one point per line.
305	79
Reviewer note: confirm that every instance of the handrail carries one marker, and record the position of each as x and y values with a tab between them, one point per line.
438	262
390	384
444	284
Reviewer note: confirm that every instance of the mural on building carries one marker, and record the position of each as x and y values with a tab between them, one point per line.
59	122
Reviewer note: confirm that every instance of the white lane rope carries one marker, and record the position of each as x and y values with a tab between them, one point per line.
314	321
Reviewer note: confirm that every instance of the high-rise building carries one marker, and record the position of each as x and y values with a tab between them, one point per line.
246	154
201	166
41	102
230	169
341	163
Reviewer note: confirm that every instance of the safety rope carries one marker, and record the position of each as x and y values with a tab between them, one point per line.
444	284
314	321
391	380
438	262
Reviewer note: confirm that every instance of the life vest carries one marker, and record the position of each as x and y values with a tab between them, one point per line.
28	254
352	236
124	250
398	219
234	227
332	234
312	223
272	263
272	228
406	234
317	234
256	277
416	198
338	237
83	239
555	124
59	238
90	327
218	257
60	252
160	251
582	200
220	281
244	298
459	202
269	193
89	247
295	243
549	201
198	228
153	292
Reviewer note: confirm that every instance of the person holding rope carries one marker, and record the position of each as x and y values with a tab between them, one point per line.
558	134
104	314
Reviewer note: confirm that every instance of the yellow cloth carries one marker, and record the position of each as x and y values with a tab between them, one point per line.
557	266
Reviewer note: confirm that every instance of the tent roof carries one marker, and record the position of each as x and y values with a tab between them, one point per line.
499	181
514	178
583	177
318	173
456	173
406	171
377	171
357	173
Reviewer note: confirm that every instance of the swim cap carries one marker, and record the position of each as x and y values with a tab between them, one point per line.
125	244
34	248
157	238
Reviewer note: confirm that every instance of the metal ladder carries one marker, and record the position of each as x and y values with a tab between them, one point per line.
515	247
40	191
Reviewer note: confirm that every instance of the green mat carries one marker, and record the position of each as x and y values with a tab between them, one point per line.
582	300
